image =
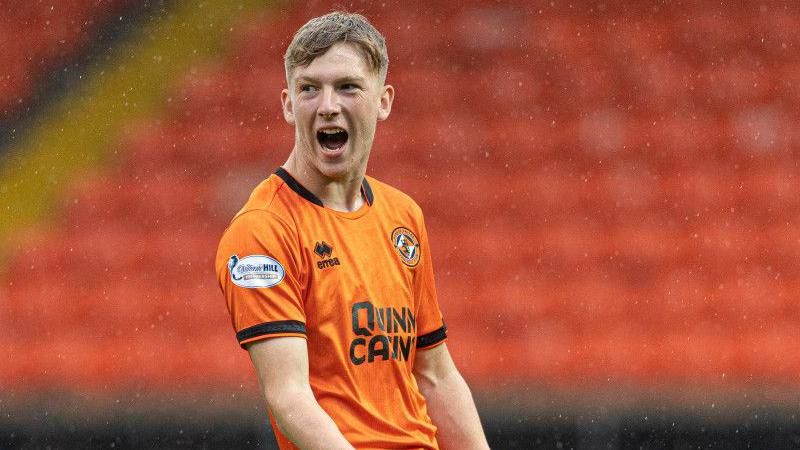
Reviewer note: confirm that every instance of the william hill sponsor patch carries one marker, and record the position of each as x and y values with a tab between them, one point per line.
255	271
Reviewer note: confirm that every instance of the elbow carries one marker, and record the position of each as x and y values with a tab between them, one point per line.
282	403
428	382
282	410
273	404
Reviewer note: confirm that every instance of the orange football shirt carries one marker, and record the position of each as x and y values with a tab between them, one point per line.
358	286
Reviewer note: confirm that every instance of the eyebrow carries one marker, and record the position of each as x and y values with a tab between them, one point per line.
306	79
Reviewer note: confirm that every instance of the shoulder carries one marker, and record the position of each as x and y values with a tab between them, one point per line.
267	198
394	198
263	226
266	212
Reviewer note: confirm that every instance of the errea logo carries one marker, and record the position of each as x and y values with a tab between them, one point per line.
324	251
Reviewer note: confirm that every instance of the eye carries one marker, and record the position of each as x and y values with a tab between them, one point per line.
307	88
349	87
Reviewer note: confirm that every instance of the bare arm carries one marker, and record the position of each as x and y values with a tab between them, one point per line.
450	403
282	367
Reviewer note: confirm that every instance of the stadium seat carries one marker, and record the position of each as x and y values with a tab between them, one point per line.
608	206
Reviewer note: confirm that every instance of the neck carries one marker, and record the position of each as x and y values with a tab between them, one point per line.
338	194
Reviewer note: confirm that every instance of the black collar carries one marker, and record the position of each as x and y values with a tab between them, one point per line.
366	190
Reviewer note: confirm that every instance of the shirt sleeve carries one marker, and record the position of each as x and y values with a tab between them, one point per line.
259	271
431	329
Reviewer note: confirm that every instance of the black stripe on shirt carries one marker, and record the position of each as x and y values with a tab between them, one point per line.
297	187
279	326
366	189
432	338
367	192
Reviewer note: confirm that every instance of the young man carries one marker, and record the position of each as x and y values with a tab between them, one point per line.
327	272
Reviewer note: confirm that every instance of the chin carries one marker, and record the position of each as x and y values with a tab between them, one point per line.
334	171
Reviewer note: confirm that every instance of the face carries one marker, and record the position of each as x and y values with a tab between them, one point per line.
334	104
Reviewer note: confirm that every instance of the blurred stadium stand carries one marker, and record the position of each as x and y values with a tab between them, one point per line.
49	48
610	189
39	37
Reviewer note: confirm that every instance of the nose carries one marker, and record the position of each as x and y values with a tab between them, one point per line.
329	103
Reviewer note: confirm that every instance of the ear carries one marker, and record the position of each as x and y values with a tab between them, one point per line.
286	103
387	97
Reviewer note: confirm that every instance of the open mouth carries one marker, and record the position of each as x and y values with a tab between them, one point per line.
332	138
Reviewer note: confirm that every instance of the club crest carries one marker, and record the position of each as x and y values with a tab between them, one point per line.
407	246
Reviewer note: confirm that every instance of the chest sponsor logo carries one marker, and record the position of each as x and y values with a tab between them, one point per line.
407	246
255	271
324	251
382	334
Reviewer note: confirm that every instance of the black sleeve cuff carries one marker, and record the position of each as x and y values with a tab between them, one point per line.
277	327
432	338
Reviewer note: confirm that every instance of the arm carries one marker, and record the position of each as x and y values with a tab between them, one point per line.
282	367
450	403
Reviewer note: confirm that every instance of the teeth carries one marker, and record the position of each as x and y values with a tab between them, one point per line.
331	130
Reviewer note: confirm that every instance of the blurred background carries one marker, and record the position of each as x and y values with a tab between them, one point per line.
611	190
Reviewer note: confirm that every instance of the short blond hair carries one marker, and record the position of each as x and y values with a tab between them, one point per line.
320	33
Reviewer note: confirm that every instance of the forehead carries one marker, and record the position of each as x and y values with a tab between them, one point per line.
342	60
